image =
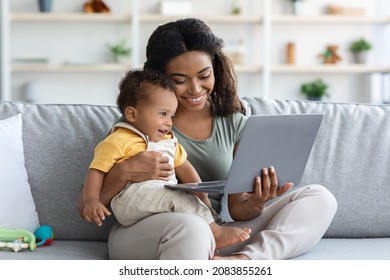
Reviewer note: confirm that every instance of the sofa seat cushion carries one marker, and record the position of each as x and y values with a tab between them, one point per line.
349	249
61	250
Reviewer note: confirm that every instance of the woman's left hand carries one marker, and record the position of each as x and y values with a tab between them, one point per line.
245	206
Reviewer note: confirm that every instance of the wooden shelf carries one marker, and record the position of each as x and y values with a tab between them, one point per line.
109	67
329	69
76	17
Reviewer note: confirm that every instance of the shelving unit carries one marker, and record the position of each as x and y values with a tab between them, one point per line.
76	17
329	69
349	82
265	29
107	67
328	19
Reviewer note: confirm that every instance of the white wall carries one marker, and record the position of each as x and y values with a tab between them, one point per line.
84	43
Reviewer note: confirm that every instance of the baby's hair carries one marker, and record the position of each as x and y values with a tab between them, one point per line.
135	87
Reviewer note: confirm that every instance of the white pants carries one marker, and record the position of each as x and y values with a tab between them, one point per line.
288	227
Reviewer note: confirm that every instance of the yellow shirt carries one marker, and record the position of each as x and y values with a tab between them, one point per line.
124	143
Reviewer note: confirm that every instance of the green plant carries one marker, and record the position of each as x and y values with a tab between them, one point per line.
360	45
315	90
119	49
236	10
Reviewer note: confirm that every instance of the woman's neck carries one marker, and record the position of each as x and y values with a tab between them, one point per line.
195	124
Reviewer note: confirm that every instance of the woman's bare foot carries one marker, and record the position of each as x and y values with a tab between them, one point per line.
225	236
232	257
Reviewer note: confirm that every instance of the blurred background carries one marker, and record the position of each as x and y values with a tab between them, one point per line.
58	51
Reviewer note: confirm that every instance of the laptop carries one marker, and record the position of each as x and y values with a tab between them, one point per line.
283	141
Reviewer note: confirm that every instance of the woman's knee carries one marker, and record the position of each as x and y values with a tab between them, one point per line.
325	198
187	237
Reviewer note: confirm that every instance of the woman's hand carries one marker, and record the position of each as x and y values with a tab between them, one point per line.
141	167
245	206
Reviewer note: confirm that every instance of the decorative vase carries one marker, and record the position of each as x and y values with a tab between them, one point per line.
360	57
45	5
30	91
297	7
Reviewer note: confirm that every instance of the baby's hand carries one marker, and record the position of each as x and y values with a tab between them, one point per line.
94	210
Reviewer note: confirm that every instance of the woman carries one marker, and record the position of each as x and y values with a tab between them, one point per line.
209	122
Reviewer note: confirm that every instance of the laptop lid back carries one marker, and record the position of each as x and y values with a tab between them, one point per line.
281	141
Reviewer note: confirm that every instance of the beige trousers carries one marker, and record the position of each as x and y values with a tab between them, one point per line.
290	226
140	200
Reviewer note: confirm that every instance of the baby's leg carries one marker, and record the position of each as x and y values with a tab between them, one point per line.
225	236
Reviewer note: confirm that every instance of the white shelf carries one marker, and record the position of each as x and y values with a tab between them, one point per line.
248	68
108	67
329	69
328	19
156	18
70	67
70	17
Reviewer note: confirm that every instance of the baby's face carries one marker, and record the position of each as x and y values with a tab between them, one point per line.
154	117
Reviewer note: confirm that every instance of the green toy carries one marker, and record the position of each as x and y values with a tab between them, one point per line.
17	239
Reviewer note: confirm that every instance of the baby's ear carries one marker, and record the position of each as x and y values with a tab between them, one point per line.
131	114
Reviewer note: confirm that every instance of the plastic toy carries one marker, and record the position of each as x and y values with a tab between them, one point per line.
44	235
95	6
330	55
17	239
16	245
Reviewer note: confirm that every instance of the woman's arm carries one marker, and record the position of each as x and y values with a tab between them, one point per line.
141	167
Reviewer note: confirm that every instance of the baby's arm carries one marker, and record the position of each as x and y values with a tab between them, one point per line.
94	210
186	173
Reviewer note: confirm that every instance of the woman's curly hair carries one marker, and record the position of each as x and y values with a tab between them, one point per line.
175	38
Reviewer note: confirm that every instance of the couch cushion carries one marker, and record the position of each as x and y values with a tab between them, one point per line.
58	144
351	158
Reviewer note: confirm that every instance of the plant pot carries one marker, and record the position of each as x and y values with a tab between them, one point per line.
45	5
314	98
121	59
297	7
360	57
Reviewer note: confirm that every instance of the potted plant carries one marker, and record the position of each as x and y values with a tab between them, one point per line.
119	50
315	90
359	48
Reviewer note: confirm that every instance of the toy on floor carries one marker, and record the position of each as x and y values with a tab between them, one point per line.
44	235
17	239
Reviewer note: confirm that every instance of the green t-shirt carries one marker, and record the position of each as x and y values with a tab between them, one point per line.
213	157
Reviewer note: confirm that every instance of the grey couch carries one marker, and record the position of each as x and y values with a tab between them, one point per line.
350	157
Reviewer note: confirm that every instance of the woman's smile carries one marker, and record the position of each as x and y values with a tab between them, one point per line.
196	100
